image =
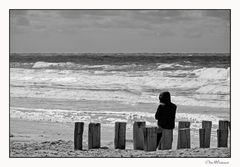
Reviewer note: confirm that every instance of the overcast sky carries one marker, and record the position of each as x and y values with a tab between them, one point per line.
119	30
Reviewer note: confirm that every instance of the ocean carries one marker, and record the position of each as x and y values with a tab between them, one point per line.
105	88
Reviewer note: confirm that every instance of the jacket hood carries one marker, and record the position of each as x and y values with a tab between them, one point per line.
165	97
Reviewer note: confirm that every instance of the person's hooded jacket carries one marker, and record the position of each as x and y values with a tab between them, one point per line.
166	111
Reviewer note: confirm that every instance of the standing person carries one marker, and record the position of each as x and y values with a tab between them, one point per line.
165	114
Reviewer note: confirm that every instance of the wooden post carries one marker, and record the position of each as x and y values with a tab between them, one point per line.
207	125
222	133
222	136
229	125
150	138
202	138
183	138
182	125
223	125
94	135
166	139
138	137
120	135
78	133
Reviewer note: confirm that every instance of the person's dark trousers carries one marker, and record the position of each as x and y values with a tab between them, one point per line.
159	136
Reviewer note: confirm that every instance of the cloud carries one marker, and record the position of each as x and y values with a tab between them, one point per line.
19	18
76	14
166	33
193	33
19	12
160	13
140	19
22	21
221	14
153	29
161	23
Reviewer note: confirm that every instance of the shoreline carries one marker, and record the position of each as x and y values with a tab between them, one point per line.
109	112
33	102
39	138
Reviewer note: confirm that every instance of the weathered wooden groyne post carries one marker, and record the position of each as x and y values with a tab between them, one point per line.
78	135
205	134
184	138
120	135
94	135
145	138
150	138
183	135
222	133
138	137
207	125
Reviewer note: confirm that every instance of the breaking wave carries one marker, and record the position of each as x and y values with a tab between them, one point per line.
213	73
70	65
189	87
41	64
108	118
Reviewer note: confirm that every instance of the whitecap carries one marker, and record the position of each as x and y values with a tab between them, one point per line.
41	64
213	73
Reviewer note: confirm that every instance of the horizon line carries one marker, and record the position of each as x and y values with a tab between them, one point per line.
118	52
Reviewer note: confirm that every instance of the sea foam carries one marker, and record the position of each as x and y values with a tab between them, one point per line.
213	73
128	87
107	118
41	64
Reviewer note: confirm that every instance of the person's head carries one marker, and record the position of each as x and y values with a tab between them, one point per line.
165	97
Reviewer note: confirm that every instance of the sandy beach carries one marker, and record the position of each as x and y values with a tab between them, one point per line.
43	135
61	148
54	139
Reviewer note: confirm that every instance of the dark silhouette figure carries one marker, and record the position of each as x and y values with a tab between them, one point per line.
165	114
